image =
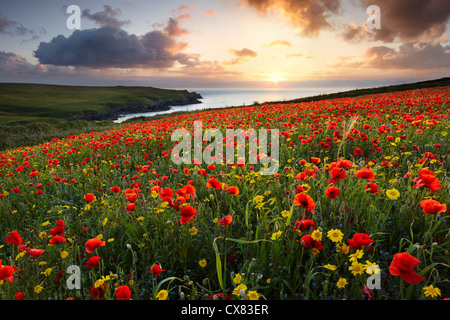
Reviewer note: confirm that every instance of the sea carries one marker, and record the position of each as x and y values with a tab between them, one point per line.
233	97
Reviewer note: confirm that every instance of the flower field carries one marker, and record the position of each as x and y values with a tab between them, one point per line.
357	210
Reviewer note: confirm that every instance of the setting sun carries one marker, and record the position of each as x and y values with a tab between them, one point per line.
275	77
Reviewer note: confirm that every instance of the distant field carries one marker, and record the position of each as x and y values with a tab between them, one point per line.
20	101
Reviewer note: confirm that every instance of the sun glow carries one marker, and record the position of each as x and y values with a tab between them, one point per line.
275	77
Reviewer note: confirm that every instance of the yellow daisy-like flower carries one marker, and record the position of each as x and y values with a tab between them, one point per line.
371	267
253	295
285	213
306	187
342	248
258	199
356	268
335	235
342	282
393	194
202	263
237	290
193	231
38	288
276	235
431	291
237	279
162	295
64	254
357	255
317	235
330	267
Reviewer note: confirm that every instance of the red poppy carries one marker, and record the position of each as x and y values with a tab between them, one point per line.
167	192
219	296
130	207
6	273
59	229
359	241
89	197
358	152
332	192
14	238
35	252
315	160
337	173
116	189
187	213
56	239
403	265
156	270
214	184
307	241
93	244
16	190
226	221
427	180
93	262
187	191
19	295
123	293
372	188
98	293
365	174
302	199
131	197
366	292
233	190
304	224
432	206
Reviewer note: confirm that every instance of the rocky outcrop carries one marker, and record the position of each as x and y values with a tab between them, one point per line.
113	112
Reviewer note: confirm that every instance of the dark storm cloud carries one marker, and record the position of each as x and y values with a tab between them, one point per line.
310	16
111	47
107	17
404	21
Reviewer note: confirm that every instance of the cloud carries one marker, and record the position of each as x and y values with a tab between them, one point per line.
211	13
354	33
107	17
244	53
13	64
173	27
109	47
241	56
278	43
310	16
407	21
408	56
14	28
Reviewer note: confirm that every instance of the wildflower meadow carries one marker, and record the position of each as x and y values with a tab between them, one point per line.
358	208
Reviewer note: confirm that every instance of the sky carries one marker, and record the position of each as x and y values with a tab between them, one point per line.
223	43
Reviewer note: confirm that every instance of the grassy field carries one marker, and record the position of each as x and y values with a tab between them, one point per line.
362	187
20	101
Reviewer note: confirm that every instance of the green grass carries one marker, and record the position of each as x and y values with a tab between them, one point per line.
19	100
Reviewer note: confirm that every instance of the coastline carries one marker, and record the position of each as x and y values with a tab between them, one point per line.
113	112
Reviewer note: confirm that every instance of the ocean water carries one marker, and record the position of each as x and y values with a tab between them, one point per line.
230	97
